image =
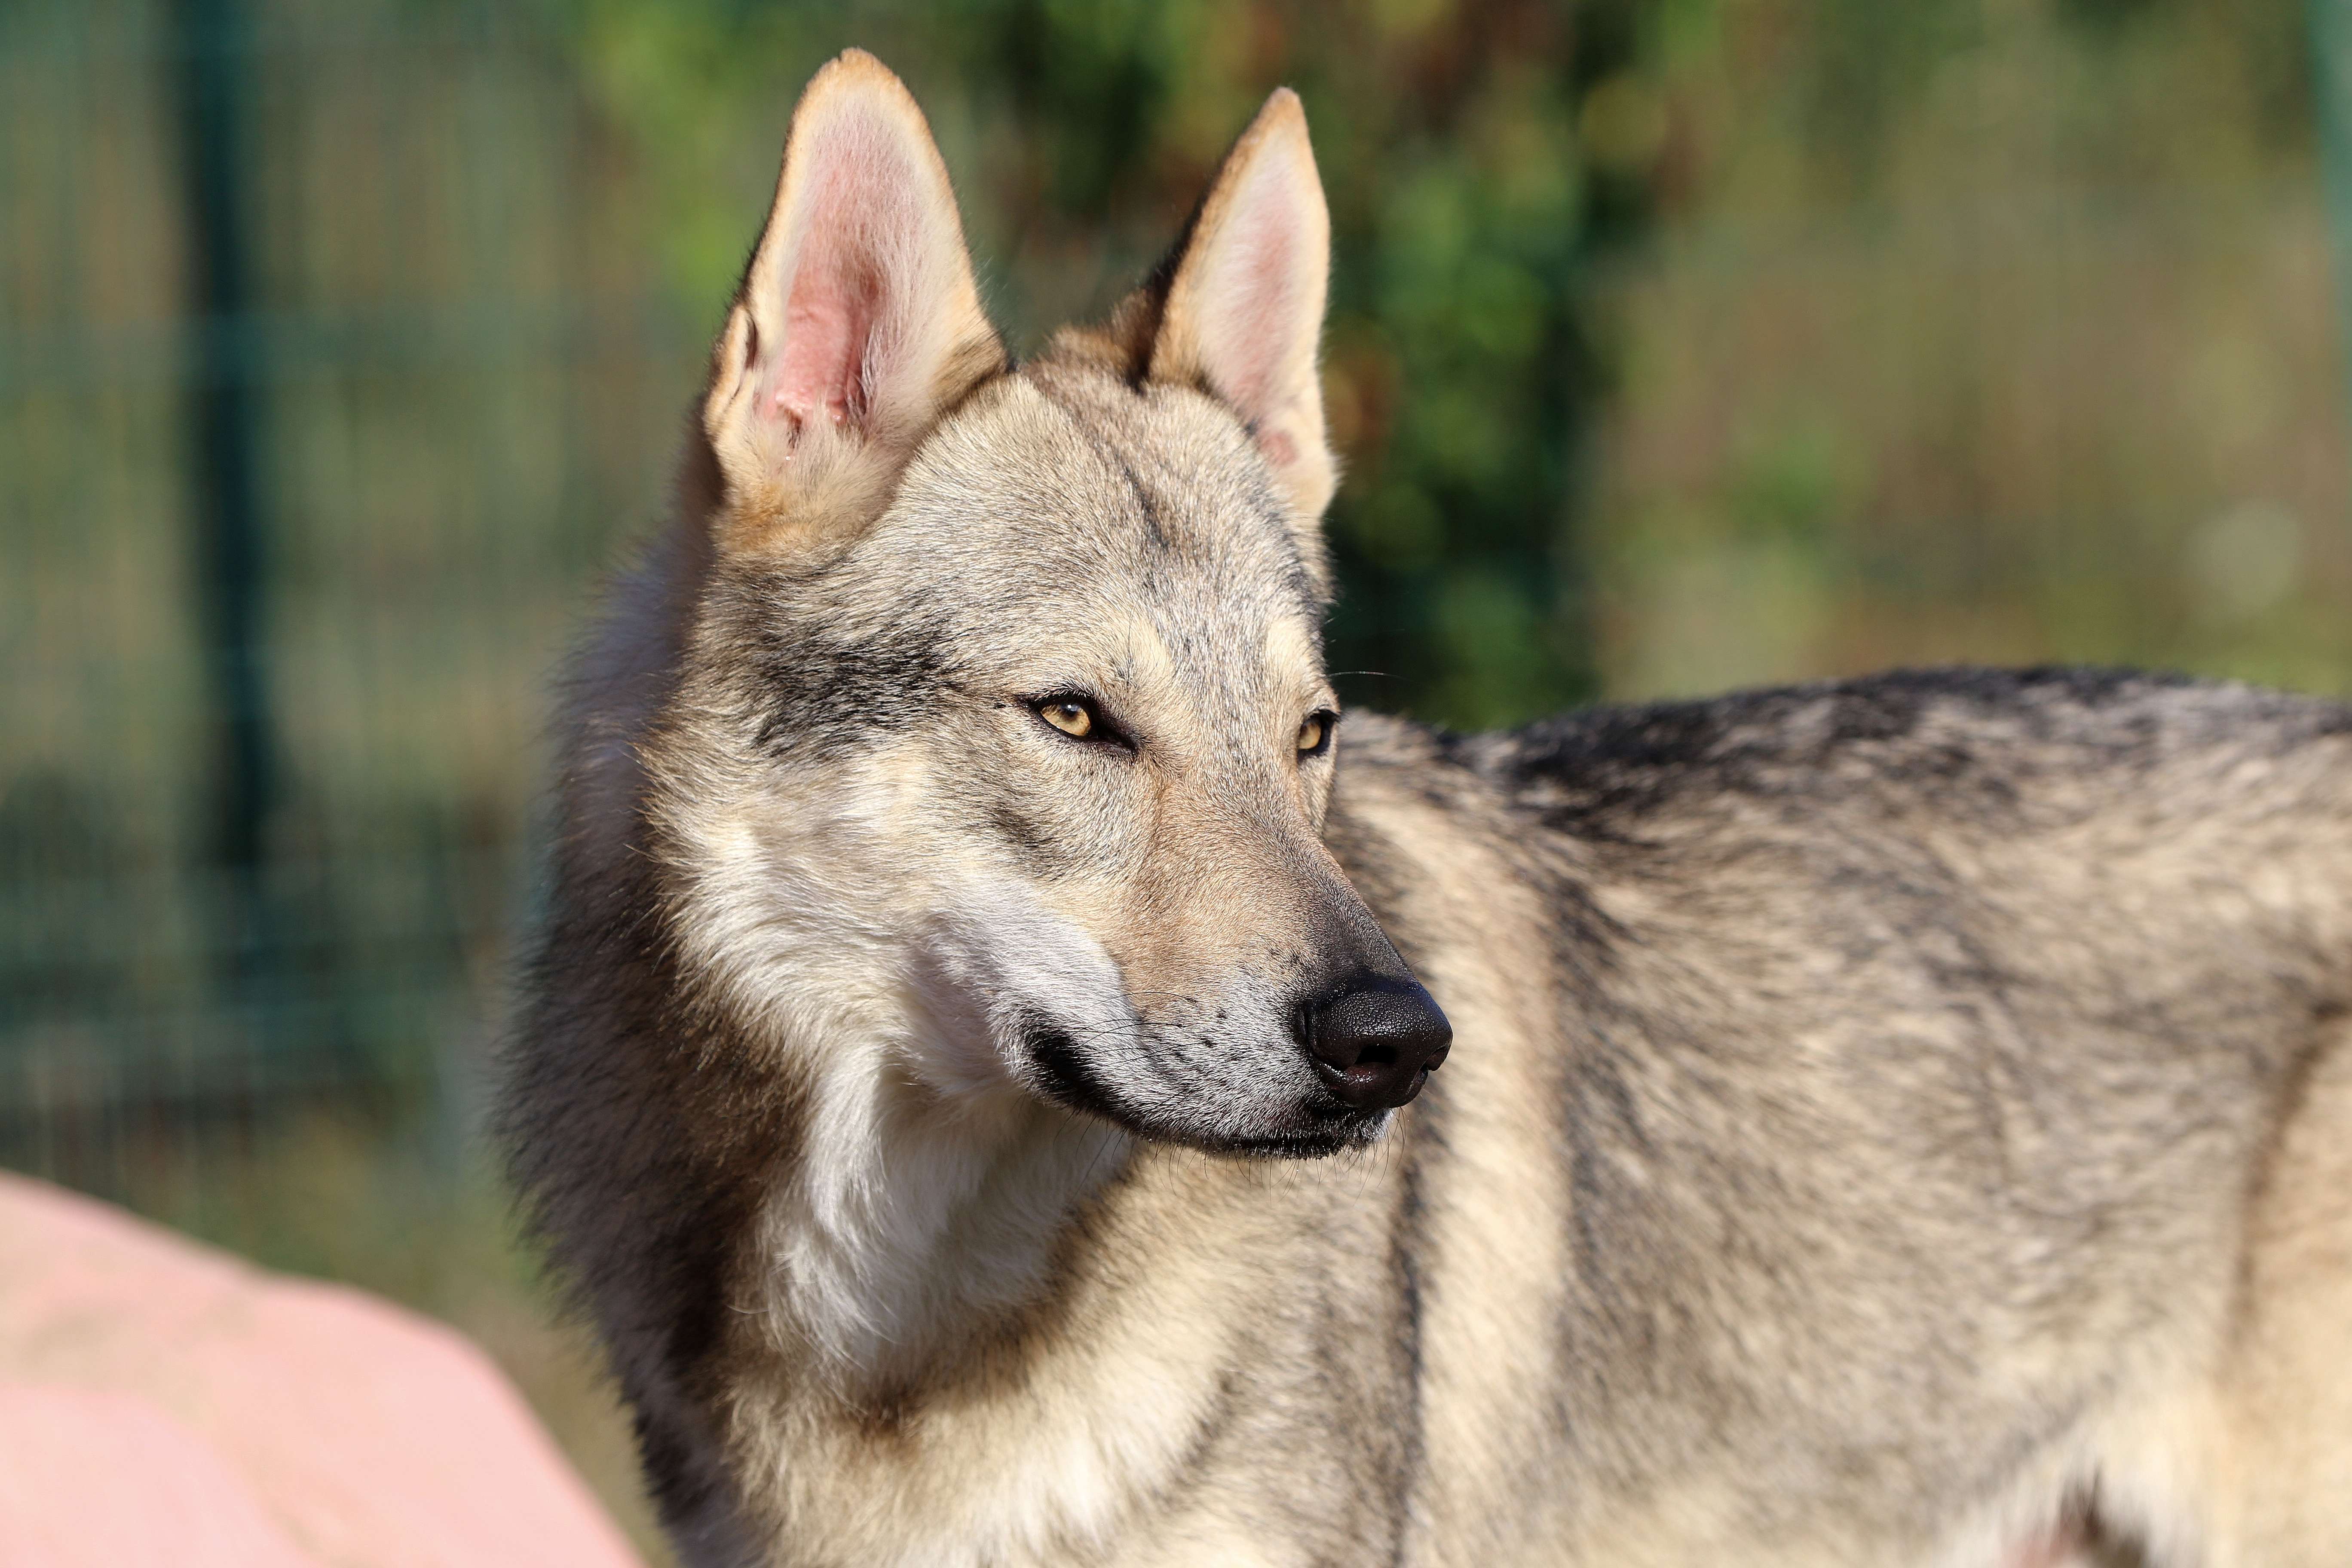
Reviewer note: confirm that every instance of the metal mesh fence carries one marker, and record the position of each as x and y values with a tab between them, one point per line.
324	384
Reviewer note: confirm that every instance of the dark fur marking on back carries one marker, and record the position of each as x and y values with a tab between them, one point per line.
1975	736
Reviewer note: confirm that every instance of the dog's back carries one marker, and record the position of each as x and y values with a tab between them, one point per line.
1927	1065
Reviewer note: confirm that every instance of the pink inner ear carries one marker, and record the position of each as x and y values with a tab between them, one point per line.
1255	322
860	213
819	370
1256	327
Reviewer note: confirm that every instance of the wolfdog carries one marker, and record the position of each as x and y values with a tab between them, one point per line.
1007	1093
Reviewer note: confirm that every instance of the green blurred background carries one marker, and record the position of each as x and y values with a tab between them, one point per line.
1674	346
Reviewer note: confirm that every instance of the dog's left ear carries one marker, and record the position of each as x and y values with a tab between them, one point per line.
1243	311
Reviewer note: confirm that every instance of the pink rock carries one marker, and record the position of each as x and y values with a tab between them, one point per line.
96	1481
155	1391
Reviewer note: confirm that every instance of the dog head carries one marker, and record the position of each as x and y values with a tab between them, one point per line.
1002	740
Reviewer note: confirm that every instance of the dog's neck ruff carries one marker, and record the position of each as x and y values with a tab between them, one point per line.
914	1225
922	1203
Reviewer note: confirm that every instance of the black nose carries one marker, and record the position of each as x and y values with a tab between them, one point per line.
1375	1040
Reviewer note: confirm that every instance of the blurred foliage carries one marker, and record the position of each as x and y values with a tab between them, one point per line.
1974	332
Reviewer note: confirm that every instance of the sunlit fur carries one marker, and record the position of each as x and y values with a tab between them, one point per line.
1903	1122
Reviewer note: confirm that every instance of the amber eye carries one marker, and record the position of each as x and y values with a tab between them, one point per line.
1070	716
1315	733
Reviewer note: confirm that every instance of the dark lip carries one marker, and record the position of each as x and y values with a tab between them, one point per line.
1327	1136
1330	1133
1318	1148
1320	1126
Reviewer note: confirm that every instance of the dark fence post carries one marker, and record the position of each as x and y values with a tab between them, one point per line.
215	48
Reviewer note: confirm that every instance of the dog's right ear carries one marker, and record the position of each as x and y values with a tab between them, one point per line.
858	323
